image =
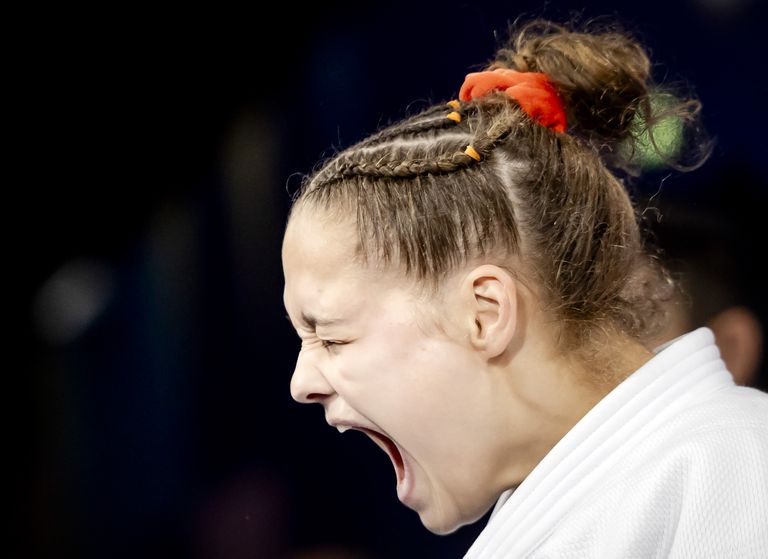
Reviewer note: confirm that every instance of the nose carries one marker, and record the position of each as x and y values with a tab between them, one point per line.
308	384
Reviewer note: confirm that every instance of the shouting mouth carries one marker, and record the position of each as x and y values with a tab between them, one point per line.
388	446
395	453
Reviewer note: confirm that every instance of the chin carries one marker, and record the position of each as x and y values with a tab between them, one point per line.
441	528
442	525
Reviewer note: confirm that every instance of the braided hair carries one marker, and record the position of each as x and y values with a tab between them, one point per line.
550	207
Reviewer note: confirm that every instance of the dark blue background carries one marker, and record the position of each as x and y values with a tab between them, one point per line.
163	149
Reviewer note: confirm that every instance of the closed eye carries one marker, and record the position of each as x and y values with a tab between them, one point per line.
328	344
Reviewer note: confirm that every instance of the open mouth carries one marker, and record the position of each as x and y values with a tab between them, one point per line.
388	446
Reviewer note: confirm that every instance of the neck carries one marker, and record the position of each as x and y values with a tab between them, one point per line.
555	391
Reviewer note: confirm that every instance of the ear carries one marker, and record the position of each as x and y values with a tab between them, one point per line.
740	338
492	296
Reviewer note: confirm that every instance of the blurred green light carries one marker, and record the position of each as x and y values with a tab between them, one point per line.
667	135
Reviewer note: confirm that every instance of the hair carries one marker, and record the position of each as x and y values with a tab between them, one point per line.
555	202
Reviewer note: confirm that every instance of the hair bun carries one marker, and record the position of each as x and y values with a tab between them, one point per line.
604	78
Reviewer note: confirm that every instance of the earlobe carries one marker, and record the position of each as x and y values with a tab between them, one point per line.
492	294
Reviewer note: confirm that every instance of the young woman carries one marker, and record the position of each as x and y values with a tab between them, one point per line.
472	291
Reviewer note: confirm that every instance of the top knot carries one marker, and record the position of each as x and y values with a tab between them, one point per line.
603	79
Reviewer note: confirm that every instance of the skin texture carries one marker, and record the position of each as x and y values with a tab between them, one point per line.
473	401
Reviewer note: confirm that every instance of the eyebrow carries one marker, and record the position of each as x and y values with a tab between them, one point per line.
313	322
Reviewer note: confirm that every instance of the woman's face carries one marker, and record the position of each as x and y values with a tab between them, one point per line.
368	359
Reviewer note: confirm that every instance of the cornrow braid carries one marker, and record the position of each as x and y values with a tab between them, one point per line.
345	167
427	121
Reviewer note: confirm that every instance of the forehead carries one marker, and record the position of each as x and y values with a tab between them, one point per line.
317	245
319	264
323	275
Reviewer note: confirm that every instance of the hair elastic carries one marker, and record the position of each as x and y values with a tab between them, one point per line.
533	91
472	152
454	116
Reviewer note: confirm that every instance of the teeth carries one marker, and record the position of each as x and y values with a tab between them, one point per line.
342	428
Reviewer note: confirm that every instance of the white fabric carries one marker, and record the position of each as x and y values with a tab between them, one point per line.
672	463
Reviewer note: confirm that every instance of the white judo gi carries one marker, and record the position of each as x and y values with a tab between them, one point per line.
672	463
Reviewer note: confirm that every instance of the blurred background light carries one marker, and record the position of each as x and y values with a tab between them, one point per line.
71	300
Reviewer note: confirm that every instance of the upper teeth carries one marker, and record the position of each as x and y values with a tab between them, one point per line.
342	428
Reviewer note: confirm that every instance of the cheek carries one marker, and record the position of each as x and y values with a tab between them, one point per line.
400	377
383	369
424	381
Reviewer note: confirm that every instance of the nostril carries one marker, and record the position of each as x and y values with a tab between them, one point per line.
316	397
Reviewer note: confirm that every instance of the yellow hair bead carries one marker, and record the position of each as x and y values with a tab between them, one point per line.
454	104
454	116
472	152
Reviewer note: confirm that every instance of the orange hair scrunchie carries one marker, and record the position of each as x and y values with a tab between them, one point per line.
533	91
